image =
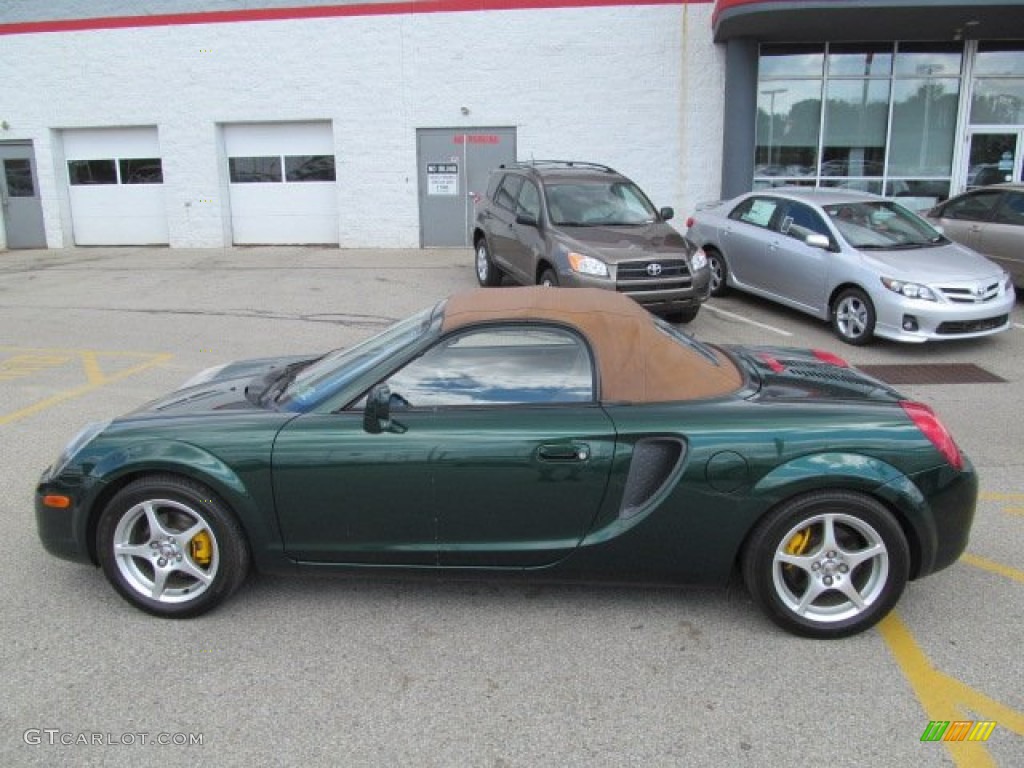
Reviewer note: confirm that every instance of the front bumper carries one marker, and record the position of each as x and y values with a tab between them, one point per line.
913	320
62	531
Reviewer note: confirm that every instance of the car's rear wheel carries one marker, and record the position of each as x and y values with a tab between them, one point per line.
853	317
827	564
719	272
487	274
169	546
548	278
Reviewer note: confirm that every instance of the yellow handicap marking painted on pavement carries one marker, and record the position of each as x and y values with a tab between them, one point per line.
992	566
1005	497
100	369
945	698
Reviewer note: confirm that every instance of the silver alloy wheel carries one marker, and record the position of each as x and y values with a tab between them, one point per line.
483	264
852	317
717	273
842	568
153	551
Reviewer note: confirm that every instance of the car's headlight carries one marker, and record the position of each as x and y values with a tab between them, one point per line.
910	290
698	260
77	443
587	265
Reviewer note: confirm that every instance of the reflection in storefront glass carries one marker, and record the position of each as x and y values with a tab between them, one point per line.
923	126
856	115
788	116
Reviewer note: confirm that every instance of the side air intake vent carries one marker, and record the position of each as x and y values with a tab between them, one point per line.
654	462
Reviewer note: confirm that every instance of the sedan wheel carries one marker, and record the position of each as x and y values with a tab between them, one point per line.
853	317
548	278
719	272
828	564
170	547
487	274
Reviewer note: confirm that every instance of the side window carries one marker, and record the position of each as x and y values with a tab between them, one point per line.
976	207
508	192
511	365
1012	209
755	210
529	200
800	220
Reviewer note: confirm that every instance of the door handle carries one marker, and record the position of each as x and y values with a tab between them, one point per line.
564	452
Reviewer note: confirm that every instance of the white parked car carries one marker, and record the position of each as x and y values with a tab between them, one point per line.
866	264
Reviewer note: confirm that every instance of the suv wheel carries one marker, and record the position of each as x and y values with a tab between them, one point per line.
487	274
687	315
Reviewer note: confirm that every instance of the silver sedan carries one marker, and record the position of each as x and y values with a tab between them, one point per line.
866	264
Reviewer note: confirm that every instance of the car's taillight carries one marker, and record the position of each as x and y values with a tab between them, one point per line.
830	358
929	424
690	221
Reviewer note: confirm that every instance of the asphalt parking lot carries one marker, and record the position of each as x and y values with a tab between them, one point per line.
324	671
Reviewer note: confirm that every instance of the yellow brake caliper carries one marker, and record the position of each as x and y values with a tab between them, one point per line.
798	544
201	548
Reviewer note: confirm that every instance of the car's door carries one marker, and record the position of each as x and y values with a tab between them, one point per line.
521	450
1003	237
744	239
502	226
526	246
964	218
797	273
345	495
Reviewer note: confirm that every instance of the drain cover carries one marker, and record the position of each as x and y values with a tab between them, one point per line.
932	373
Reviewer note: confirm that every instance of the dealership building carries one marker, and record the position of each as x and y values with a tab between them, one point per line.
375	124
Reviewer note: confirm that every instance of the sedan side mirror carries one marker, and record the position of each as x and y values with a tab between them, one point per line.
377	413
818	241
667	213
527	219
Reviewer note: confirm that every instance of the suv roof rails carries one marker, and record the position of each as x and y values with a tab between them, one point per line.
559	164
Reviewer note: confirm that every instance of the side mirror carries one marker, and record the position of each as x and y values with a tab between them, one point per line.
377	413
818	241
667	213
527	219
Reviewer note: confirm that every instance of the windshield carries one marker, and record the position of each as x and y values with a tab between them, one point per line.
339	368
598	203
881	225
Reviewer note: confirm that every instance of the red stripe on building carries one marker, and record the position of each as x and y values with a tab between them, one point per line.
318	12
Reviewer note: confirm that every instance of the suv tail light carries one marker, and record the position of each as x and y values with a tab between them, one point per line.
926	421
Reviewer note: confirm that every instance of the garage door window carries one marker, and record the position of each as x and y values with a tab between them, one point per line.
148	170
297	168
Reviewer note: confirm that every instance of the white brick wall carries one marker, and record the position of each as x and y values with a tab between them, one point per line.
638	88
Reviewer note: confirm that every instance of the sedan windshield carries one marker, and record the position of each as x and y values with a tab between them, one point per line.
882	225
339	368
598	203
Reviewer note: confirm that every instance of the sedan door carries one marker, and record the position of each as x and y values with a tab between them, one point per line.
521	451
1003	237
797	273
744	241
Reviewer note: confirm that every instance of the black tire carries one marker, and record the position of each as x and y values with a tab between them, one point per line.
548	278
487	274
853	317
687	315
804	579
719	272
161	571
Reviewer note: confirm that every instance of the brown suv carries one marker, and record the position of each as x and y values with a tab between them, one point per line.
556	222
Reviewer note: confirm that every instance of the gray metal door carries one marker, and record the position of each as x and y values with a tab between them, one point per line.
19	196
453	166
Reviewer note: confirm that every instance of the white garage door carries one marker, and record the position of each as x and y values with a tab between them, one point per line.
282	183
115	183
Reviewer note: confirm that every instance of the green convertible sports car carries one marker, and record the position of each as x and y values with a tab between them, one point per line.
559	433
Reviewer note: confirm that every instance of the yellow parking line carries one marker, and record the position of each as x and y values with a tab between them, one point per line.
91	364
93	384
987	496
992	566
945	698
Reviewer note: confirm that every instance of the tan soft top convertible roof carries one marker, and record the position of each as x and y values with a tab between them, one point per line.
637	362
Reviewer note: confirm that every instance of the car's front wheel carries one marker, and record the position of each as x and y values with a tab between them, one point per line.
548	278
169	546
687	315
827	564
853	317
719	272
487	274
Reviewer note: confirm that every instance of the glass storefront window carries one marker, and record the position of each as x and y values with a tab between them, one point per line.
1000	59
859	60
928	59
791	61
923	126
856	114
998	101
788	115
